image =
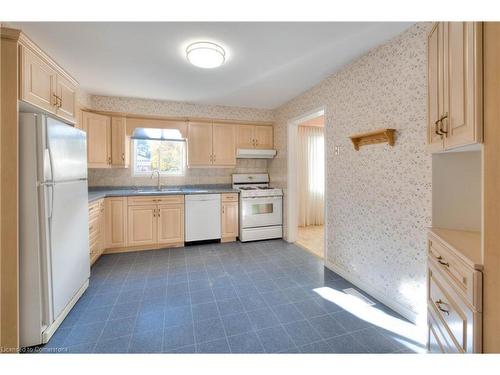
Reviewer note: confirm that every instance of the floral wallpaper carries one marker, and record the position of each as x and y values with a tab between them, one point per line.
180	109
378	199
194	176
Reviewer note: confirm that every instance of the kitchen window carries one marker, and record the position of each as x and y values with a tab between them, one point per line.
158	149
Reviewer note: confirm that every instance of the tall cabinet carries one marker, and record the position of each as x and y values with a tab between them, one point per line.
455	266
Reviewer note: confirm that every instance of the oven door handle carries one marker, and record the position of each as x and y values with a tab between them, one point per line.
267	198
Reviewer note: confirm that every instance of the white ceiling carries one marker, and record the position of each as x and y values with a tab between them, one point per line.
267	63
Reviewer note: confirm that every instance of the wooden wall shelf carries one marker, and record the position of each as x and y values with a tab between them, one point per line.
372	137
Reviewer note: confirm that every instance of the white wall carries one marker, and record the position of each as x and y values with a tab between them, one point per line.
456	193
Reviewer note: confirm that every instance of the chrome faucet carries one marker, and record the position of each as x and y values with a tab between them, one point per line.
158	186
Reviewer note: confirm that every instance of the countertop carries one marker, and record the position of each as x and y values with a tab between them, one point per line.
467	245
96	193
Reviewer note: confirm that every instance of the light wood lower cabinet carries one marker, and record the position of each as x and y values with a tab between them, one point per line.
156	221
142	225
170	224
96	230
116	222
229	219
454	304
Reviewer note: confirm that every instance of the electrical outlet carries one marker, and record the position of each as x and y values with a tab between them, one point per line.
336	150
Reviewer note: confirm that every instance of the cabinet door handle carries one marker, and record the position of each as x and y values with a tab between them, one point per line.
55	100
437	127
222	209
443	117
443	263
439	302
109	159
214	158
123	156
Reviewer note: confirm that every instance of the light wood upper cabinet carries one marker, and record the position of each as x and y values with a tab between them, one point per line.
171	224
435	86
246	136
38	81
455	85
142	225
263	136
211	144
44	84
66	94
116	222
199	144
464	65
255	136
120	143
224	144
98	129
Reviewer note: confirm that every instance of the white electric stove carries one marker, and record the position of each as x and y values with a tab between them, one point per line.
261	207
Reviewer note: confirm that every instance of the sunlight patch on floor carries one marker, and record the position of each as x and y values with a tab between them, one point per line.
411	335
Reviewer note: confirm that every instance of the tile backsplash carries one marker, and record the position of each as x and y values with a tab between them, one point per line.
193	176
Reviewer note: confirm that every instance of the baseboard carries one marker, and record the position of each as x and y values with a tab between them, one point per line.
368	288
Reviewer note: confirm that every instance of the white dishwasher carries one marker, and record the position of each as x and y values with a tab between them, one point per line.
203	217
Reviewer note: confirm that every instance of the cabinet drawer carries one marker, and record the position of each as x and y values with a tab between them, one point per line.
94	208
163	199
94	246
461	323
438	339
466	281
229	197
94	226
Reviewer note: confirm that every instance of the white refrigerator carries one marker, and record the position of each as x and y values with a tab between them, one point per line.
53	230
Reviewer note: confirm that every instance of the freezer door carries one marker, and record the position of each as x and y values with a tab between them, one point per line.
69	242
67	151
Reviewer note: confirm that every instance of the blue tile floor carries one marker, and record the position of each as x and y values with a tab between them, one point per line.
259	297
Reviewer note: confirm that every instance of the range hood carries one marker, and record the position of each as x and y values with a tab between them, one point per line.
252	153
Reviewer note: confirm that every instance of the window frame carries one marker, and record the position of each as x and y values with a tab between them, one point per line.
135	173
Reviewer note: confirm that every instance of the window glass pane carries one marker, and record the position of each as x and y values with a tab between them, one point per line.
262	208
156	134
166	156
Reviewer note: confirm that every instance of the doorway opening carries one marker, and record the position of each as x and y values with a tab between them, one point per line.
307	205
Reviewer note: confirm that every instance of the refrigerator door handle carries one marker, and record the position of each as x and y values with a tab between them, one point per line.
48	177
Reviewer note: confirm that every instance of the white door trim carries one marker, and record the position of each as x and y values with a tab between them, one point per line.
291	196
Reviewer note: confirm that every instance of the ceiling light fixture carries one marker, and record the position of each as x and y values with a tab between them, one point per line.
205	55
